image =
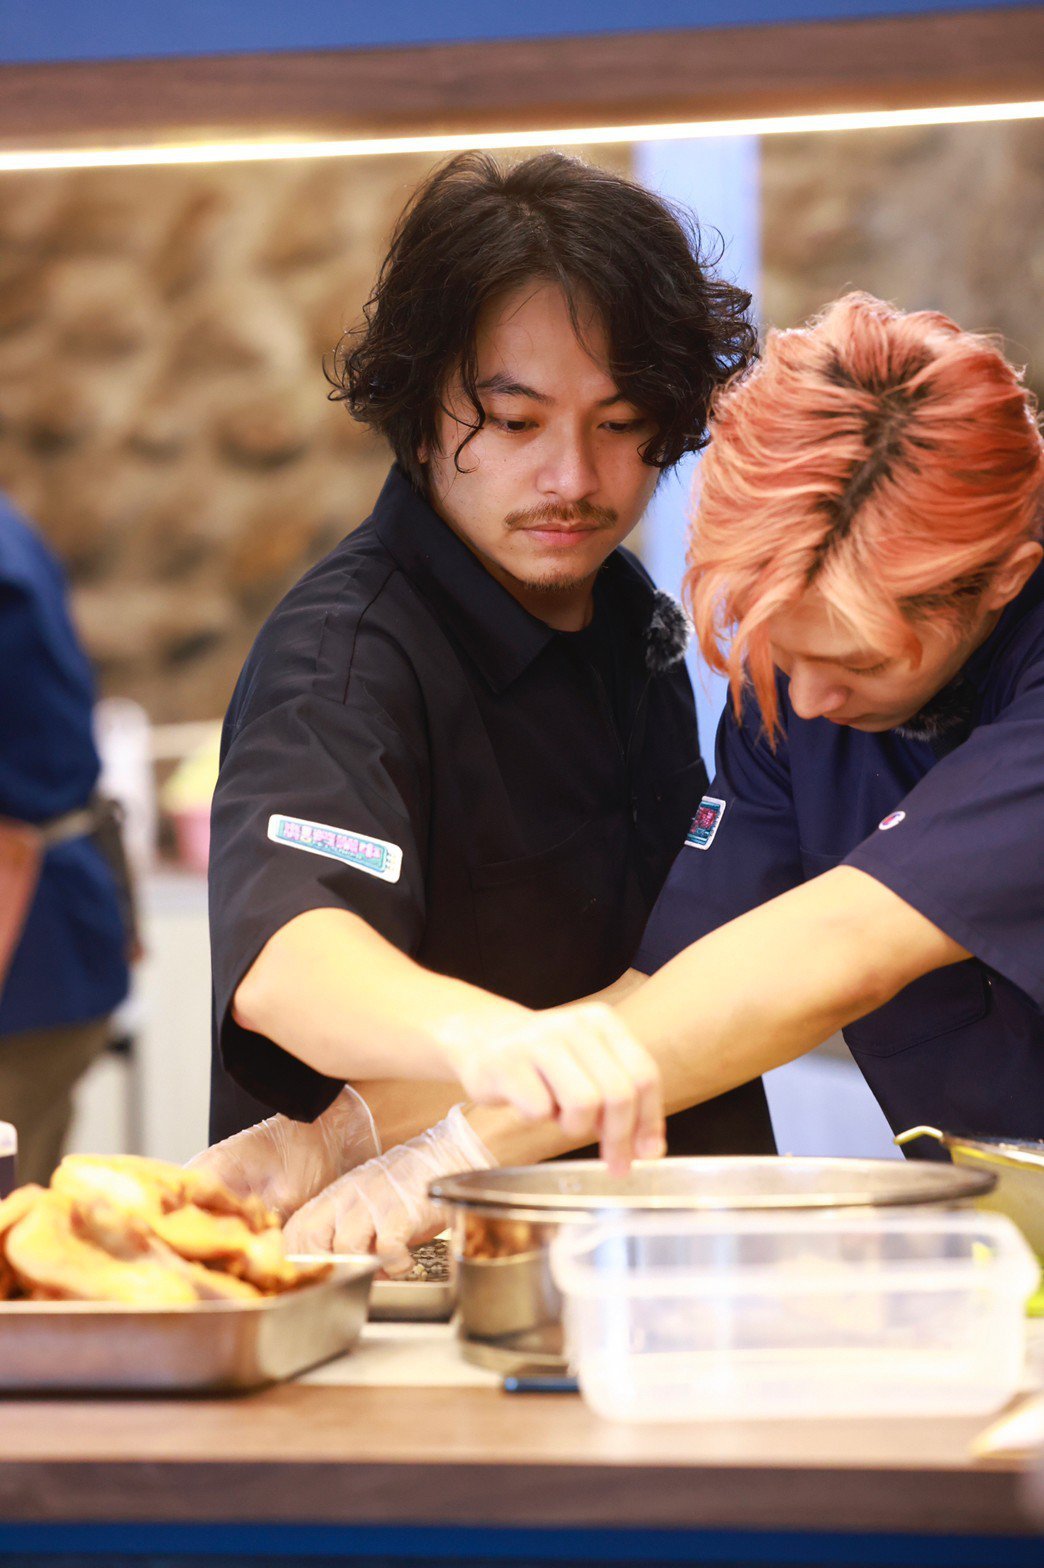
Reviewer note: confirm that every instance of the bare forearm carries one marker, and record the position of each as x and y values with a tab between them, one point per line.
773	984
402	1110
758	992
333	992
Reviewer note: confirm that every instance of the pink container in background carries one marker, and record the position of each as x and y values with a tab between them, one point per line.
192	831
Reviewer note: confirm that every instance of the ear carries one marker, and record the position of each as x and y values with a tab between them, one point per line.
1013	574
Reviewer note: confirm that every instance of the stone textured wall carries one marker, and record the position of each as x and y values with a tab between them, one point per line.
947	218
163	414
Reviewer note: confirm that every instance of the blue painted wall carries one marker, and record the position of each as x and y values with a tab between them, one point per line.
125	29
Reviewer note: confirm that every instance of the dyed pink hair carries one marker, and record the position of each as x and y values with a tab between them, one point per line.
892	460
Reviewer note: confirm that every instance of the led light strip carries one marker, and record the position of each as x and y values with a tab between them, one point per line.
258	150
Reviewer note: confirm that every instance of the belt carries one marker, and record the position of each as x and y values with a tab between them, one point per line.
71	824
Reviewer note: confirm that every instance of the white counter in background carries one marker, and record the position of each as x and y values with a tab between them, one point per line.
157	1103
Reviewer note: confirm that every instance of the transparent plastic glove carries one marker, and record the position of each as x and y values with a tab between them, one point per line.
384	1205
285	1163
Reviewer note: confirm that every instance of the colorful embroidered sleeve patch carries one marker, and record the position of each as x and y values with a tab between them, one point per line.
705	823
372	855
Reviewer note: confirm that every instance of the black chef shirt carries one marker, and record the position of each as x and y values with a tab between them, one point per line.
500	800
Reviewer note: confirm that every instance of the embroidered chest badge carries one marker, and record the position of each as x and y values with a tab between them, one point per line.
372	855
892	820
705	823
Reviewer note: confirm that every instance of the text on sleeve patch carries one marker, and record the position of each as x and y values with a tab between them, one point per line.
373	855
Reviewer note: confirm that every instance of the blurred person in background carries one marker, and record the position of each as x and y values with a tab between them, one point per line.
63	937
462	754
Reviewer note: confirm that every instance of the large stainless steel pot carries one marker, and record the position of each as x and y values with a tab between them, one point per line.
509	1311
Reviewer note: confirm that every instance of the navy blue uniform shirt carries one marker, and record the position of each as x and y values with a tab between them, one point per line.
70	965
499	800
955	829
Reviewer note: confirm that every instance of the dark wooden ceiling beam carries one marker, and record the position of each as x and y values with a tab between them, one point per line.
612	79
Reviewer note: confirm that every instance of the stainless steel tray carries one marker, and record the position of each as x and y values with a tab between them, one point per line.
428	1299
214	1347
412	1300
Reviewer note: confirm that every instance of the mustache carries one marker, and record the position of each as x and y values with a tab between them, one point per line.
542	516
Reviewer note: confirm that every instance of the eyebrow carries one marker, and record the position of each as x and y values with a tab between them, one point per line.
508	388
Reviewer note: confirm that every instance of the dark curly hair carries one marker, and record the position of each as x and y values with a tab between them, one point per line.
474	231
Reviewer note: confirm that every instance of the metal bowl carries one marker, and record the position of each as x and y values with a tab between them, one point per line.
1017	1168
509	1311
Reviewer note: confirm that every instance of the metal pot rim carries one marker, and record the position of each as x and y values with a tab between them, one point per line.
557	1191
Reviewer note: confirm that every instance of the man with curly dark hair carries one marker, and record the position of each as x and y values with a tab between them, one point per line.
463	752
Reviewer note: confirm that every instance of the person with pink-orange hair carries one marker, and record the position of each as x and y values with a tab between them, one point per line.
865	567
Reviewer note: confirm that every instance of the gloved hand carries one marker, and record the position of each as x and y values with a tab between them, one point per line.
285	1163
383	1205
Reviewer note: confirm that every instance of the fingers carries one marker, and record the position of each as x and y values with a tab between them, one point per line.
223	1162
583	1068
311	1229
508	1075
616	1095
359	1213
650	1126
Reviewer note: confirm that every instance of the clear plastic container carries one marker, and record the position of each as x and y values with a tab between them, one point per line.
714	1316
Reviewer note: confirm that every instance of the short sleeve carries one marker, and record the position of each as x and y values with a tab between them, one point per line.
320	804
966	845
742	847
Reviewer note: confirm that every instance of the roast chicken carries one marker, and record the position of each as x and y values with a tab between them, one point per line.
142	1233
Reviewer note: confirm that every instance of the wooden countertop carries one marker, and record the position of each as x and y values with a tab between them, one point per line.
341	1453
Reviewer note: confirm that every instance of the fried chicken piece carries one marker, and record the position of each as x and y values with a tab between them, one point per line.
126	1229
10	1290
16	1206
130	1237
87	1179
203	1189
215	1285
13	1208
226	1242
47	1254
154	1187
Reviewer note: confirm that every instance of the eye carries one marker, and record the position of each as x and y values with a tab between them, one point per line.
870	669
623	427
513	427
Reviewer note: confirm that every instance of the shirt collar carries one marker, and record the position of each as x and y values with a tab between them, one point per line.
500	636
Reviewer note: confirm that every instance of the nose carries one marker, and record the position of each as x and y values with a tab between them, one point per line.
815	695
568	473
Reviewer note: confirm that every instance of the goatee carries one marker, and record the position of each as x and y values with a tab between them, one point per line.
951	709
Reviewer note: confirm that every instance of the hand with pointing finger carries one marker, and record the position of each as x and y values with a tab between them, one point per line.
578	1066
